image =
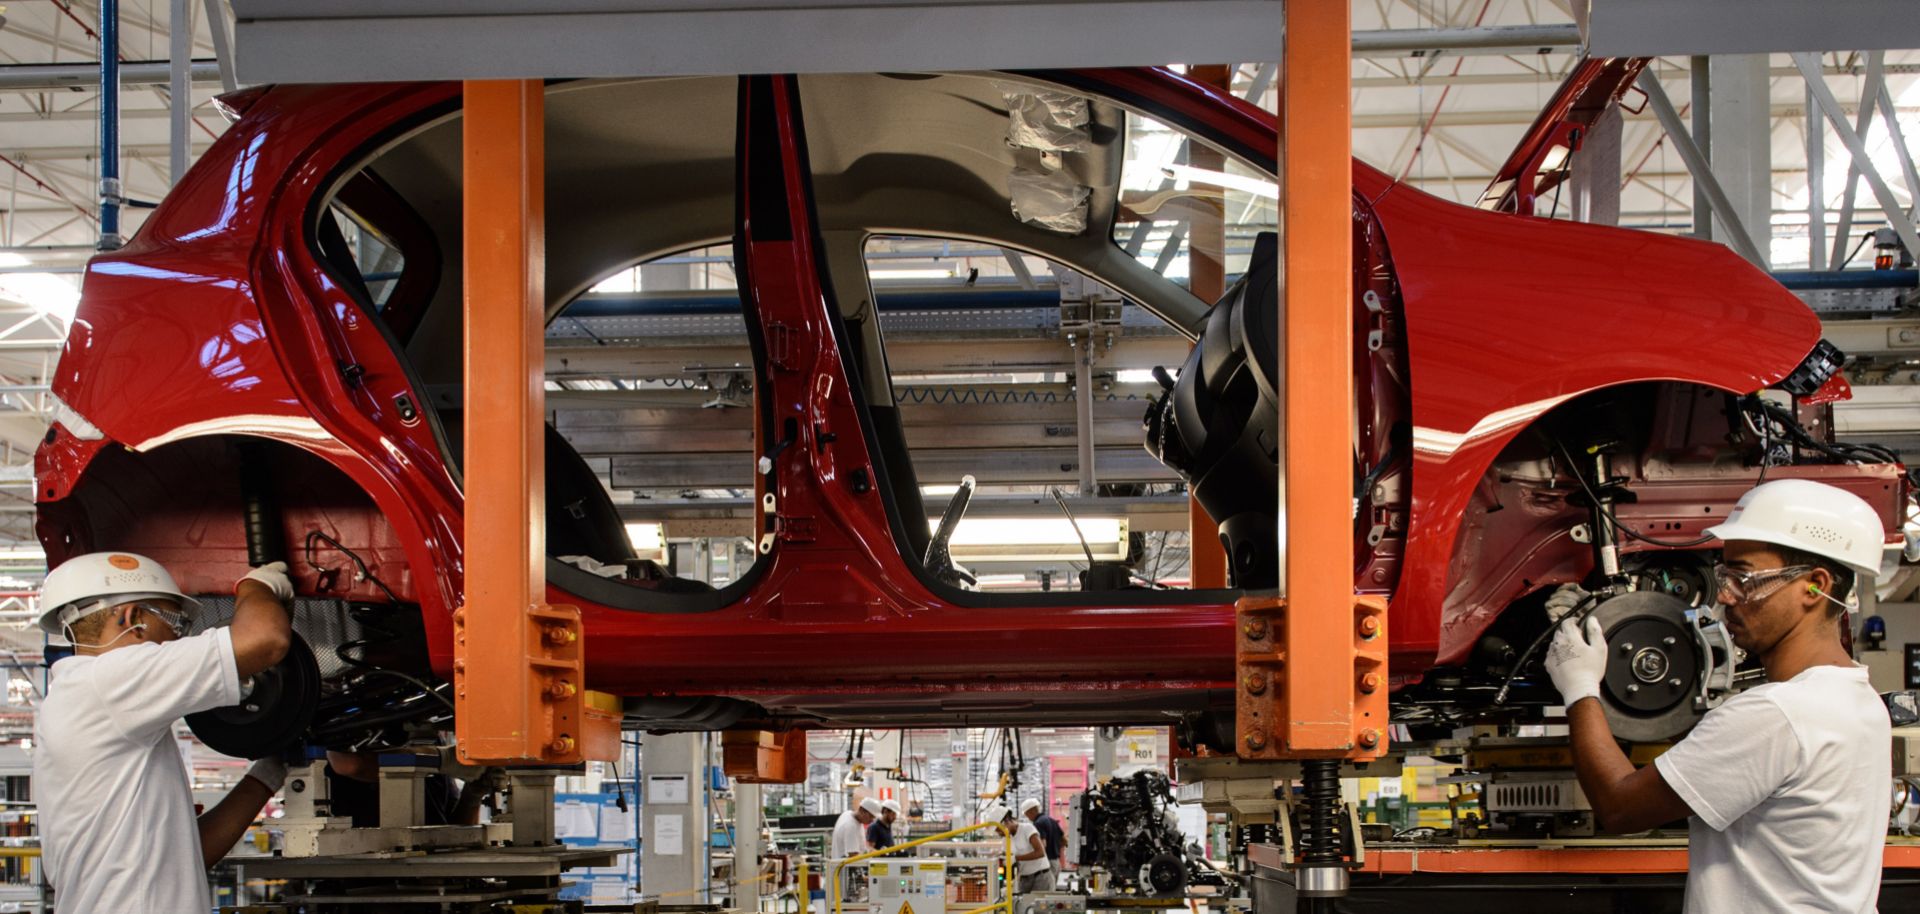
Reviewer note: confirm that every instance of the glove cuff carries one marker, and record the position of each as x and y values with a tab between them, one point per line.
1572	696
268	771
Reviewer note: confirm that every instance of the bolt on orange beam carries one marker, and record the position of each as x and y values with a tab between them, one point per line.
517	662
1322	627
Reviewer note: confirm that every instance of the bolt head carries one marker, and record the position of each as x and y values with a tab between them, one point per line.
1669	641
561	745
1626	647
1256	682
1256	740
1256	629
1369	738
1370	682
1369	626
1633	688
1675	682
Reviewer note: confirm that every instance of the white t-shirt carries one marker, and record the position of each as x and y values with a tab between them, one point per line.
1023	837
1788	785
117	825
850	837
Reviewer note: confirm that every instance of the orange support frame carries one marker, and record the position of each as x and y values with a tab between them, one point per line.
1312	665
518	662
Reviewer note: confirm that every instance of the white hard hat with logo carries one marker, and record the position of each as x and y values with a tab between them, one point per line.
890	804
1814	517
98	580
1028	804
871	807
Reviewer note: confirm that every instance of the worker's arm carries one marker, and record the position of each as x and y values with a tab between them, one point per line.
262	629
1624	798
1036	849
222	826
466	810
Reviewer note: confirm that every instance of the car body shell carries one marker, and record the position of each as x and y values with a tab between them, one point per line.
218	319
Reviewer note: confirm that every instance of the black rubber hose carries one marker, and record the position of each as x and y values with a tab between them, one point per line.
260	508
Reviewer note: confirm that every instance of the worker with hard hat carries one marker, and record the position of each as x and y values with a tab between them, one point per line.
850	840
1786	782
880	831
1051	834
117	824
1033	869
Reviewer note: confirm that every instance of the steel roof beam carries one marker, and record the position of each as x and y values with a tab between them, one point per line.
1654	28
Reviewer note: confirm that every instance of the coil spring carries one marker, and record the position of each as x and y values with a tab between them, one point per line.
1320	831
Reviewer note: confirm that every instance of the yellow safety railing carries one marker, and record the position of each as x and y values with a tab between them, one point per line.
1006	867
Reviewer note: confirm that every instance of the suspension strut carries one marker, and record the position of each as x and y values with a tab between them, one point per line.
1321	871
260	507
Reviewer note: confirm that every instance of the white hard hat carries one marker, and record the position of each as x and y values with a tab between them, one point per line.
77	587
994	814
1809	516
871	806
1028	804
890	804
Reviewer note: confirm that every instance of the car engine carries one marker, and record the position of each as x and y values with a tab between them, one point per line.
1126	828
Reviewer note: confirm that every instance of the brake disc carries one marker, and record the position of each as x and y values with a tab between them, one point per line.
275	709
1653	666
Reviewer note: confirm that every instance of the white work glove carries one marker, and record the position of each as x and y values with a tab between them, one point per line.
274	575
1565	600
1576	661
269	771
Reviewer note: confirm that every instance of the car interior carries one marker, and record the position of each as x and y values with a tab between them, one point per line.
640	187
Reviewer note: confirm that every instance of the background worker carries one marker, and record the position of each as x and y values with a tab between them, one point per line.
1050	832
1033	870
1786	782
116	806
850	840
880	831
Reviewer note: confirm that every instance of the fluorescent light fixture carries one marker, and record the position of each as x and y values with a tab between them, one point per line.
1141	375
1267	190
907	273
1038	539
939	491
23	555
647	537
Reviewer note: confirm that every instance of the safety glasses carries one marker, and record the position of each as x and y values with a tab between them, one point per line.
176	618
1732	586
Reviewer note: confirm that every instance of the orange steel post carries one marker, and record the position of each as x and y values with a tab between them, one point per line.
517	662
1207	560
1312	664
1207	277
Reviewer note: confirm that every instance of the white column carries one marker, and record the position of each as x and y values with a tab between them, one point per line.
674	848
1742	155
747	813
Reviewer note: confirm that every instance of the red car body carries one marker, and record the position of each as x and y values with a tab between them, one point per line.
218	320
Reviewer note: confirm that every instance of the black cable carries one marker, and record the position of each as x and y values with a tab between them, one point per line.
352	556
1580	611
1061	500
1613	521
1864	238
367	668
